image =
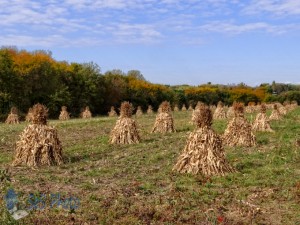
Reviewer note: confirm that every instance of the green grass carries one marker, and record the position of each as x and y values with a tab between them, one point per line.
134	184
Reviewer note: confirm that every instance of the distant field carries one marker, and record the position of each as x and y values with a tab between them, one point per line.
134	184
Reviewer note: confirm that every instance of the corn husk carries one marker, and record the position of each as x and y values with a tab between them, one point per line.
39	143
64	115
239	131
220	112
86	114
12	117
203	152
112	112
125	130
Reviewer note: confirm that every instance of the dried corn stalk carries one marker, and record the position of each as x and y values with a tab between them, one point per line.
112	112
275	115
220	112
86	114
12	117
39	143
125	130
176	108
139	111
150	110
203	153
239	131
262	122
29	116
64	115
164	121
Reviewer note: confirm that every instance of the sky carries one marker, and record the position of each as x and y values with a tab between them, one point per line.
169	41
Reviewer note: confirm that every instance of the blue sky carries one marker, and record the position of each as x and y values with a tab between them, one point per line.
169	41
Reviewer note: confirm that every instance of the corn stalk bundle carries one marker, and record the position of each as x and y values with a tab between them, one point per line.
239	131
230	112
12	117
183	108
275	115
86	114
150	110
220	112
250	109
112	112
39	143
139	111
176	108
29	116
125	130
203	152
213	108
190	108
199	105
164	122
64	115
262	122
282	109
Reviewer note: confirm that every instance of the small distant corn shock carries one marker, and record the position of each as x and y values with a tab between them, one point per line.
86	114
176	108
230	112
239	131
125	130
64	115
164	122
220	112
282	109
150	110
250	108
294	105
183	108
195	113
12	117
275	115
139	111
29	116
39	143
262	122
112	112
213	108
190	108
203	152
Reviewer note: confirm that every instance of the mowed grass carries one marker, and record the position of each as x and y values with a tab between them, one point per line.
134	184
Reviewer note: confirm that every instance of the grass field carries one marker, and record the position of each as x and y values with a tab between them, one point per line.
134	184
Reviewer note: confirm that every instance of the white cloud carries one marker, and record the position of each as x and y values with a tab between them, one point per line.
277	7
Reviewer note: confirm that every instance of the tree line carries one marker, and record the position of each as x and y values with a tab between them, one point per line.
33	77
